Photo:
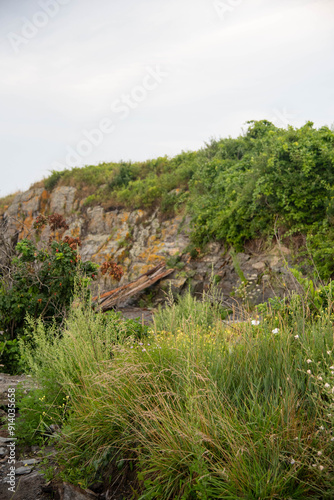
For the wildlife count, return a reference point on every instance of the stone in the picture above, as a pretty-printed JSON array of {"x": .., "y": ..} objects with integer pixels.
[
  {"x": 176, "y": 284},
  {"x": 30, "y": 461},
  {"x": 214, "y": 247},
  {"x": 62, "y": 200},
  {"x": 242, "y": 258},
  {"x": 69, "y": 492},
  {"x": 27, "y": 487},
  {"x": 259, "y": 266},
  {"x": 273, "y": 261},
  {"x": 3, "y": 452},
  {"x": 96, "y": 223},
  {"x": 23, "y": 470},
  {"x": 27, "y": 202}
]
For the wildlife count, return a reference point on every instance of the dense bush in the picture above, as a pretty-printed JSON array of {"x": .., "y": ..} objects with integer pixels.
[
  {"x": 53, "y": 179},
  {"x": 40, "y": 281},
  {"x": 270, "y": 179}
]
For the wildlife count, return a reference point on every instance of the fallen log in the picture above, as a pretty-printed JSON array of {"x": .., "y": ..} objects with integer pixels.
[{"x": 109, "y": 300}]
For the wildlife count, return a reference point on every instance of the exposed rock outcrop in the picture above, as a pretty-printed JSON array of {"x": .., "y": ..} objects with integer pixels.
[{"x": 139, "y": 240}]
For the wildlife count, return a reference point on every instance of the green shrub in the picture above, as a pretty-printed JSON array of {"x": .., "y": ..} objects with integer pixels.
[
  {"x": 270, "y": 177},
  {"x": 311, "y": 301},
  {"x": 121, "y": 176},
  {"x": 51, "y": 182},
  {"x": 39, "y": 282},
  {"x": 43, "y": 284},
  {"x": 320, "y": 246},
  {"x": 9, "y": 355}
]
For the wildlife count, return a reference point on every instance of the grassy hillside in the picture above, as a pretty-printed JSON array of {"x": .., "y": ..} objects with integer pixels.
[{"x": 268, "y": 181}]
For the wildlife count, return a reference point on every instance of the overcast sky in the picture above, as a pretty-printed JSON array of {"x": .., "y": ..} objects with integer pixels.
[{"x": 84, "y": 82}]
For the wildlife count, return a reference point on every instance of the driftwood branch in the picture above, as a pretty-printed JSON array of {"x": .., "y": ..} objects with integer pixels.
[{"x": 109, "y": 300}]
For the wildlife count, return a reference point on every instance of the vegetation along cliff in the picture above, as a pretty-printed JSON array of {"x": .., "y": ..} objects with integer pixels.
[
  {"x": 230, "y": 396},
  {"x": 221, "y": 209}
]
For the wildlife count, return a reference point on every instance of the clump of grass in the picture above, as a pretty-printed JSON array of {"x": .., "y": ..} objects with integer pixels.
[
  {"x": 206, "y": 312},
  {"x": 59, "y": 360},
  {"x": 202, "y": 409}
]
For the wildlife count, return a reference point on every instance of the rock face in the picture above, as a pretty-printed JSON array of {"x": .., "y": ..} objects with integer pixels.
[{"x": 139, "y": 240}]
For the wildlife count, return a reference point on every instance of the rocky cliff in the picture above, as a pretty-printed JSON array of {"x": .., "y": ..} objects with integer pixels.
[{"x": 139, "y": 240}]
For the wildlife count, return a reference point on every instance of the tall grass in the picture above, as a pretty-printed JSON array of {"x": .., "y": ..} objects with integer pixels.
[{"x": 202, "y": 409}]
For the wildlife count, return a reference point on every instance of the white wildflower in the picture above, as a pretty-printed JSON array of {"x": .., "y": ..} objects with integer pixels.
[
  {"x": 329, "y": 353},
  {"x": 275, "y": 330},
  {"x": 319, "y": 377},
  {"x": 292, "y": 461},
  {"x": 296, "y": 336},
  {"x": 321, "y": 428},
  {"x": 309, "y": 372},
  {"x": 327, "y": 385},
  {"x": 321, "y": 467},
  {"x": 255, "y": 322},
  {"x": 319, "y": 453},
  {"x": 144, "y": 349},
  {"x": 309, "y": 361},
  {"x": 331, "y": 367}
]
